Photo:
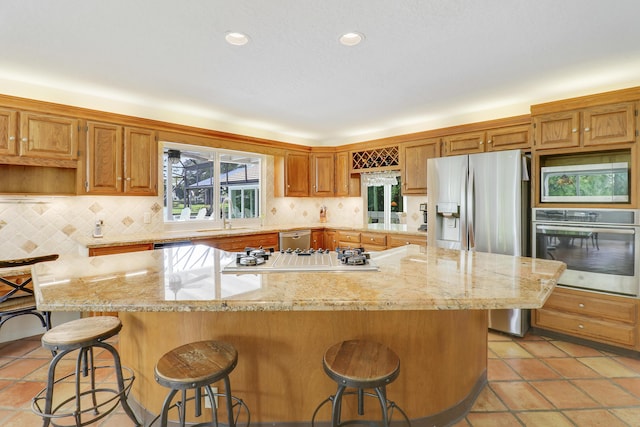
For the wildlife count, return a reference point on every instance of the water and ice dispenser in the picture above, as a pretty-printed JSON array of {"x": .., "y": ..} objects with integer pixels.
[{"x": 448, "y": 220}]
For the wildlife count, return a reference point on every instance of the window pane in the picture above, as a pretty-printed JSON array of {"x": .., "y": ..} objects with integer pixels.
[
  {"x": 239, "y": 174},
  {"x": 188, "y": 183}
]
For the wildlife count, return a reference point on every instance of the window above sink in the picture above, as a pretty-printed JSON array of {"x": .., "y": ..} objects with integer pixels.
[{"x": 210, "y": 188}]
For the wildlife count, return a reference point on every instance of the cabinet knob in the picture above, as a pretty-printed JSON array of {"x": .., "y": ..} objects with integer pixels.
[
  {"x": 581, "y": 326},
  {"x": 12, "y": 138},
  {"x": 581, "y": 305},
  {"x": 574, "y": 130},
  {"x": 489, "y": 141},
  {"x": 24, "y": 139},
  {"x": 119, "y": 178},
  {"x": 128, "y": 178},
  {"x": 587, "y": 129},
  {"x": 372, "y": 239},
  {"x": 481, "y": 142}
]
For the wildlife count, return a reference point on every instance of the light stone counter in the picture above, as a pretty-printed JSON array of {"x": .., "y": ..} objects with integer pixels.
[{"x": 190, "y": 278}]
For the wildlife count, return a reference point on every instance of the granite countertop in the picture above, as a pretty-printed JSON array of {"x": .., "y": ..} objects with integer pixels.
[
  {"x": 190, "y": 278},
  {"x": 205, "y": 233}
]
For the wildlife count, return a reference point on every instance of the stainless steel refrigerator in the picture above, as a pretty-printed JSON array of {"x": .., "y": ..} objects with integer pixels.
[{"x": 480, "y": 202}]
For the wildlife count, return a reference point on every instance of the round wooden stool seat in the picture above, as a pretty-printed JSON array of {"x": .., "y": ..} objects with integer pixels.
[
  {"x": 196, "y": 364},
  {"x": 362, "y": 364},
  {"x": 77, "y": 333}
]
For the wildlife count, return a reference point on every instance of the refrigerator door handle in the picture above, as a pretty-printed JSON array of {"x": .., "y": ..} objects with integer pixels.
[
  {"x": 464, "y": 242},
  {"x": 470, "y": 209}
]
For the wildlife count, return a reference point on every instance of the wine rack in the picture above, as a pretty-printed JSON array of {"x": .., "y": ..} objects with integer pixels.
[{"x": 385, "y": 158}]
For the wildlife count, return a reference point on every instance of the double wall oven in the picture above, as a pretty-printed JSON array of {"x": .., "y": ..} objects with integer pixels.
[{"x": 600, "y": 247}]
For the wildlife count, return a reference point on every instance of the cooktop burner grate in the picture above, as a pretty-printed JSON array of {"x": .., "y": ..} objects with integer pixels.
[{"x": 300, "y": 262}]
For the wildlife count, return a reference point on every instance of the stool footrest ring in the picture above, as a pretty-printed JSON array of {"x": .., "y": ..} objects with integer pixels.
[
  {"x": 98, "y": 410},
  {"x": 391, "y": 407},
  {"x": 237, "y": 404}
]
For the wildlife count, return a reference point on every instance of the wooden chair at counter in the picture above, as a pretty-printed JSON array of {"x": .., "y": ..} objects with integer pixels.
[{"x": 16, "y": 290}]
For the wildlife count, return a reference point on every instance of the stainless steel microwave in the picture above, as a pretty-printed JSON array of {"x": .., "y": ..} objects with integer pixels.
[{"x": 589, "y": 183}]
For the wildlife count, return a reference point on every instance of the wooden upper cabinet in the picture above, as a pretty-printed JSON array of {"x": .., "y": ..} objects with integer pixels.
[
  {"x": 121, "y": 160},
  {"x": 140, "y": 161},
  {"x": 609, "y": 124},
  {"x": 48, "y": 137},
  {"x": 464, "y": 143},
  {"x": 296, "y": 174},
  {"x": 508, "y": 138},
  {"x": 589, "y": 127},
  {"x": 104, "y": 158},
  {"x": 557, "y": 130},
  {"x": 413, "y": 158},
  {"x": 8, "y": 132},
  {"x": 346, "y": 184},
  {"x": 322, "y": 174}
]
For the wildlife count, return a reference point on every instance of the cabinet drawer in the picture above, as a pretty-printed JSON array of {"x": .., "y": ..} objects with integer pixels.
[
  {"x": 596, "y": 307},
  {"x": 349, "y": 236},
  {"x": 598, "y": 330},
  {"x": 368, "y": 239},
  {"x": 399, "y": 240}
]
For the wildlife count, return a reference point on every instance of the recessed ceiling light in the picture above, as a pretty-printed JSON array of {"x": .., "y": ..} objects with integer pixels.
[
  {"x": 236, "y": 39},
  {"x": 351, "y": 39}
]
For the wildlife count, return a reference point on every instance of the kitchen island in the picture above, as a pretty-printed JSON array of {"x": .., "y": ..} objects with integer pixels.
[{"x": 428, "y": 304}]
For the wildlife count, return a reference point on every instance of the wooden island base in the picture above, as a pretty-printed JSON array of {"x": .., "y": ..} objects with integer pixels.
[{"x": 443, "y": 357}]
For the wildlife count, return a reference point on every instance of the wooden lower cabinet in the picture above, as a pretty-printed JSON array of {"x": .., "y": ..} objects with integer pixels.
[
  {"x": 348, "y": 239},
  {"x": 317, "y": 239},
  {"x": 601, "y": 318},
  {"x": 373, "y": 241},
  {"x": 396, "y": 240},
  {"x": 109, "y": 250},
  {"x": 240, "y": 242}
]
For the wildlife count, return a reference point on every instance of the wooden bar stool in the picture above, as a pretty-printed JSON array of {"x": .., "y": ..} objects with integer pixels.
[
  {"x": 195, "y": 366},
  {"x": 361, "y": 365},
  {"x": 89, "y": 402}
]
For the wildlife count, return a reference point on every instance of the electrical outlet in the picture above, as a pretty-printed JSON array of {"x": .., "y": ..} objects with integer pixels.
[{"x": 207, "y": 403}]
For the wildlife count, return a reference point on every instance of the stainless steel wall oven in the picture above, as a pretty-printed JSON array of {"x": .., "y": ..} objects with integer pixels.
[{"x": 599, "y": 246}]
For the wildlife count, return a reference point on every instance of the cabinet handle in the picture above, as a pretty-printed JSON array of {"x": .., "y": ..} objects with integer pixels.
[
  {"x": 574, "y": 130},
  {"x": 581, "y": 305},
  {"x": 580, "y": 326},
  {"x": 587, "y": 129},
  {"x": 481, "y": 142},
  {"x": 489, "y": 141}
]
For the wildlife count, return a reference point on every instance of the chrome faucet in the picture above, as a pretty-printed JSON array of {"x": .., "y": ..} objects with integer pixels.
[{"x": 225, "y": 223}]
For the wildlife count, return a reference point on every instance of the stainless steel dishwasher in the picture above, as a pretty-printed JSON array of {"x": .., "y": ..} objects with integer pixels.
[{"x": 300, "y": 239}]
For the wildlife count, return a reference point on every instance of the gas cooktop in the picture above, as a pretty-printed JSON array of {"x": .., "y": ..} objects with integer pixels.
[{"x": 267, "y": 260}]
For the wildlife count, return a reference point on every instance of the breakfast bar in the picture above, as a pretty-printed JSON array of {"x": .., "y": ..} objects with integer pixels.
[{"x": 428, "y": 304}]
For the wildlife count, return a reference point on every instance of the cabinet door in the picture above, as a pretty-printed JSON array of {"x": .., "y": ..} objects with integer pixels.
[
  {"x": 414, "y": 157},
  {"x": 317, "y": 239},
  {"x": 343, "y": 173},
  {"x": 104, "y": 158},
  {"x": 140, "y": 162},
  {"x": 48, "y": 137},
  {"x": 557, "y": 130},
  {"x": 464, "y": 143},
  {"x": 609, "y": 124},
  {"x": 509, "y": 138},
  {"x": 8, "y": 146},
  {"x": 330, "y": 240},
  {"x": 296, "y": 175},
  {"x": 322, "y": 174}
]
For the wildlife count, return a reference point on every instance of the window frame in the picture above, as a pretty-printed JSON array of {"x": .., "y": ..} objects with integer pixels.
[{"x": 216, "y": 203}]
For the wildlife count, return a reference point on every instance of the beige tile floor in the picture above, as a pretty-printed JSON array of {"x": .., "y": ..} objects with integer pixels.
[{"x": 533, "y": 381}]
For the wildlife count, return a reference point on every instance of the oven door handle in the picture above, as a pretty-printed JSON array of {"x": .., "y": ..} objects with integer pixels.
[{"x": 586, "y": 230}]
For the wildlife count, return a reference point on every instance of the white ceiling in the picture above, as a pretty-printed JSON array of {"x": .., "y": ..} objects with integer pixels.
[{"x": 423, "y": 64}]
